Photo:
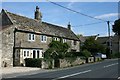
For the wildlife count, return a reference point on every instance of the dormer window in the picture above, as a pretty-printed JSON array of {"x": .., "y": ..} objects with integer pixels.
[{"x": 31, "y": 37}]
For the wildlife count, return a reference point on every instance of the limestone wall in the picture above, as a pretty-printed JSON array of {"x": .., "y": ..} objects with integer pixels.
[
  {"x": 7, "y": 46},
  {"x": 70, "y": 62}
]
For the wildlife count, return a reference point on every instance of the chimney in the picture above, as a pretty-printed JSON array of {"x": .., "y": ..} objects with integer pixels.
[
  {"x": 69, "y": 26},
  {"x": 38, "y": 15}
]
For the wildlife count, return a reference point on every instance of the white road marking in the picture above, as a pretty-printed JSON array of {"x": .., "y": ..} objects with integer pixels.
[
  {"x": 73, "y": 74},
  {"x": 110, "y": 65}
]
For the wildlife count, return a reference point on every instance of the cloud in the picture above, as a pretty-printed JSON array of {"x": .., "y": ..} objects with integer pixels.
[{"x": 107, "y": 15}]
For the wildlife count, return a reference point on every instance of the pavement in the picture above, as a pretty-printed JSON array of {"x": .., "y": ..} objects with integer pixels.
[{"x": 10, "y": 72}]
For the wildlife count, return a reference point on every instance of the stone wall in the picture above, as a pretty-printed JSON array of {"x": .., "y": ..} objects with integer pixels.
[
  {"x": 97, "y": 59},
  {"x": 22, "y": 41},
  {"x": 7, "y": 46},
  {"x": 47, "y": 64},
  {"x": 90, "y": 59},
  {"x": 70, "y": 62}
]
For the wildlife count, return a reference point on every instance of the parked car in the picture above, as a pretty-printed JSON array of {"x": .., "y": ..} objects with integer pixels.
[{"x": 103, "y": 56}]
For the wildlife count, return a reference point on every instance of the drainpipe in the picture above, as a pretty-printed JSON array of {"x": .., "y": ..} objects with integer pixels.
[{"x": 14, "y": 47}]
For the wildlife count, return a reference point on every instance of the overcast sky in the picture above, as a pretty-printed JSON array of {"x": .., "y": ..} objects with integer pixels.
[{"x": 60, "y": 16}]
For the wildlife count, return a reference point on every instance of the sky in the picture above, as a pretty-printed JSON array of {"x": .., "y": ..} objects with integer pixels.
[{"x": 54, "y": 14}]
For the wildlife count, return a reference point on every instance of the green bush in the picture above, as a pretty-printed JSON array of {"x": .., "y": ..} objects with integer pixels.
[
  {"x": 115, "y": 55},
  {"x": 56, "y": 50},
  {"x": 74, "y": 54},
  {"x": 31, "y": 62},
  {"x": 86, "y": 53}
]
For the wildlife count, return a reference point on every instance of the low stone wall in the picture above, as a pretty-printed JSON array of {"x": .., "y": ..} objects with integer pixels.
[
  {"x": 97, "y": 59},
  {"x": 70, "y": 62},
  {"x": 45, "y": 64},
  {"x": 90, "y": 60}
]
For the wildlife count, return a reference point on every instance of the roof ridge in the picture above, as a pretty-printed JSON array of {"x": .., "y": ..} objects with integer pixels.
[
  {"x": 33, "y": 19},
  {"x": 21, "y": 15},
  {"x": 54, "y": 25}
]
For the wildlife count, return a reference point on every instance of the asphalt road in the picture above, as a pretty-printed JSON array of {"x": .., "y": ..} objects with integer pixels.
[{"x": 105, "y": 69}]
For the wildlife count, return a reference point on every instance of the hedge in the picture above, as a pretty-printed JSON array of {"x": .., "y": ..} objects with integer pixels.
[{"x": 31, "y": 62}]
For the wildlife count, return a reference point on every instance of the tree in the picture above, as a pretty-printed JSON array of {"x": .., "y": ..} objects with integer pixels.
[
  {"x": 93, "y": 46},
  {"x": 56, "y": 50},
  {"x": 116, "y": 27},
  {"x": 86, "y": 53}
]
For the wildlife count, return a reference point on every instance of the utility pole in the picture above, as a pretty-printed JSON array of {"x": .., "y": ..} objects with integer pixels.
[{"x": 109, "y": 36}]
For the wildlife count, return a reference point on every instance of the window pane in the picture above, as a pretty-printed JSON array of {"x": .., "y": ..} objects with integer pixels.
[
  {"x": 29, "y": 36},
  {"x": 33, "y": 36},
  {"x": 44, "y": 38},
  {"x": 27, "y": 53},
  {"x": 75, "y": 42},
  {"x": 24, "y": 53},
  {"x": 37, "y": 53},
  {"x": 41, "y": 37}
]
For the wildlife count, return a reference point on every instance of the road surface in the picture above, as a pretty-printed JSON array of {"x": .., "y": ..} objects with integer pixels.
[{"x": 105, "y": 69}]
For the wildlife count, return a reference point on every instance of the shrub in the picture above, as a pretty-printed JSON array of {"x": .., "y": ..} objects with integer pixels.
[
  {"x": 31, "y": 62},
  {"x": 115, "y": 55},
  {"x": 74, "y": 54},
  {"x": 86, "y": 53},
  {"x": 56, "y": 50}
]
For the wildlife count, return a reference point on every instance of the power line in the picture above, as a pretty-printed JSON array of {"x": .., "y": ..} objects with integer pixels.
[
  {"x": 88, "y": 24},
  {"x": 76, "y": 11}
]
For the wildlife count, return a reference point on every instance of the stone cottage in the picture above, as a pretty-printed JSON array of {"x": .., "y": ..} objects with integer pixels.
[
  {"x": 23, "y": 37},
  {"x": 115, "y": 43}
]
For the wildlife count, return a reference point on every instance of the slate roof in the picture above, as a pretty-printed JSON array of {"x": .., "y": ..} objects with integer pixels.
[
  {"x": 26, "y": 23},
  {"x": 103, "y": 40}
]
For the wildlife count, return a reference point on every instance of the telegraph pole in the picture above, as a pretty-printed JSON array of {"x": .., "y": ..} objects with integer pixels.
[{"x": 109, "y": 36}]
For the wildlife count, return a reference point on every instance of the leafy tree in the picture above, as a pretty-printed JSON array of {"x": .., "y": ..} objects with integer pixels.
[
  {"x": 116, "y": 27},
  {"x": 56, "y": 50},
  {"x": 93, "y": 46}
]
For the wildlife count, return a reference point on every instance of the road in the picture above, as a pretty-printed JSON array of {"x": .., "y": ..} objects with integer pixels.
[{"x": 105, "y": 69}]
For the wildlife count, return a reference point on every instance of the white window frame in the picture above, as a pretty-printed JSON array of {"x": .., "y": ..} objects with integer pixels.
[
  {"x": 64, "y": 40},
  {"x": 31, "y": 37},
  {"x": 56, "y": 39},
  {"x": 36, "y": 54},
  {"x": 43, "y": 38},
  {"x": 26, "y": 53}
]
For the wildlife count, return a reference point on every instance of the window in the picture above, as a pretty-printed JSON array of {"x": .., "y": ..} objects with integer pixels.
[
  {"x": 64, "y": 40},
  {"x": 75, "y": 42},
  {"x": 43, "y": 38},
  {"x": 37, "y": 53},
  {"x": 26, "y": 54},
  {"x": 56, "y": 39},
  {"x": 31, "y": 37}
]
